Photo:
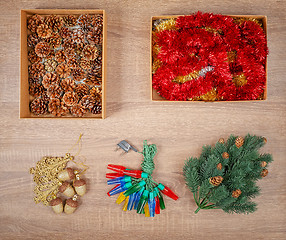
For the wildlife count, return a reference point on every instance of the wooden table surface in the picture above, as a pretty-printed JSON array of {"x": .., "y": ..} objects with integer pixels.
[{"x": 178, "y": 129}]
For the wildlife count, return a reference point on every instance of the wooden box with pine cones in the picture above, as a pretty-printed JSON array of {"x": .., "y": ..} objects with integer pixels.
[{"x": 63, "y": 55}]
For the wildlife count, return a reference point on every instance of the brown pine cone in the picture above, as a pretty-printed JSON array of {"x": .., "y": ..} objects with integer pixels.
[
  {"x": 72, "y": 62},
  {"x": 44, "y": 31},
  {"x": 50, "y": 65},
  {"x": 263, "y": 164},
  {"x": 36, "y": 89},
  {"x": 68, "y": 43},
  {"x": 36, "y": 70},
  {"x": 55, "y": 40},
  {"x": 33, "y": 57},
  {"x": 97, "y": 21},
  {"x": 69, "y": 52},
  {"x": 221, "y": 140},
  {"x": 77, "y": 36},
  {"x": 78, "y": 74},
  {"x": 78, "y": 47},
  {"x": 239, "y": 141},
  {"x": 63, "y": 70},
  {"x": 33, "y": 40},
  {"x": 98, "y": 61},
  {"x": 264, "y": 173},
  {"x": 84, "y": 21},
  {"x": 81, "y": 90},
  {"x": 90, "y": 52},
  {"x": 68, "y": 84},
  {"x": 42, "y": 49},
  {"x": 97, "y": 108},
  {"x": 225, "y": 155},
  {"x": 38, "y": 106},
  {"x": 236, "y": 193},
  {"x": 77, "y": 110},
  {"x": 51, "y": 56},
  {"x": 85, "y": 64},
  {"x": 34, "y": 21},
  {"x": 50, "y": 79},
  {"x": 54, "y": 22},
  {"x": 65, "y": 32},
  {"x": 60, "y": 56},
  {"x": 94, "y": 37},
  {"x": 70, "y": 98},
  {"x": 96, "y": 92},
  {"x": 92, "y": 80},
  {"x": 70, "y": 20},
  {"x": 219, "y": 166},
  {"x": 57, "y": 108},
  {"x": 55, "y": 91},
  {"x": 87, "y": 102},
  {"x": 216, "y": 181},
  {"x": 96, "y": 70}
]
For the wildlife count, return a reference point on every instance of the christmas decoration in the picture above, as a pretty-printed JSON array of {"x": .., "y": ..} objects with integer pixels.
[
  {"x": 227, "y": 183},
  {"x": 136, "y": 188},
  {"x": 209, "y": 57},
  {"x": 65, "y": 55},
  {"x": 54, "y": 178}
]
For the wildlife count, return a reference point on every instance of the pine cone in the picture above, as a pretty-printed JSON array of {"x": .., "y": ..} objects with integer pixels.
[
  {"x": 78, "y": 74},
  {"x": 236, "y": 193},
  {"x": 34, "y": 21},
  {"x": 239, "y": 141},
  {"x": 70, "y": 20},
  {"x": 60, "y": 56},
  {"x": 65, "y": 32},
  {"x": 264, "y": 173},
  {"x": 72, "y": 62},
  {"x": 96, "y": 92},
  {"x": 50, "y": 79},
  {"x": 44, "y": 31},
  {"x": 70, "y": 53},
  {"x": 55, "y": 40},
  {"x": 265, "y": 140},
  {"x": 68, "y": 43},
  {"x": 221, "y": 140},
  {"x": 84, "y": 64},
  {"x": 33, "y": 40},
  {"x": 225, "y": 155},
  {"x": 51, "y": 56},
  {"x": 36, "y": 89},
  {"x": 84, "y": 21},
  {"x": 98, "y": 61},
  {"x": 63, "y": 70},
  {"x": 263, "y": 164},
  {"x": 90, "y": 52},
  {"x": 94, "y": 37},
  {"x": 36, "y": 70},
  {"x": 216, "y": 181},
  {"x": 50, "y": 65},
  {"x": 68, "y": 84},
  {"x": 81, "y": 90},
  {"x": 38, "y": 106},
  {"x": 57, "y": 108},
  {"x": 55, "y": 91},
  {"x": 97, "y": 21},
  {"x": 77, "y": 110},
  {"x": 77, "y": 36},
  {"x": 96, "y": 70},
  {"x": 33, "y": 57},
  {"x": 96, "y": 108},
  {"x": 54, "y": 22},
  {"x": 70, "y": 98},
  {"x": 92, "y": 80},
  {"x": 219, "y": 166},
  {"x": 42, "y": 49},
  {"x": 87, "y": 102}
]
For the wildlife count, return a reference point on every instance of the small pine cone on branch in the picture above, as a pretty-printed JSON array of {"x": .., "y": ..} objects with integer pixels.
[
  {"x": 55, "y": 91},
  {"x": 236, "y": 193},
  {"x": 216, "y": 181},
  {"x": 70, "y": 20},
  {"x": 87, "y": 102},
  {"x": 90, "y": 52},
  {"x": 219, "y": 166},
  {"x": 54, "y": 22},
  {"x": 60, "y": 56},
  {"x": 78, "y": 74},
  {"x": 97, "y": 108},
  {"x": 33, "y": 57},
  {"x": 239, "y": 141},
  {"x": 221, "y": 141},
  {"x": 50, "y": 79},
  {"x": 57, "y": 108},
  {"x": 34, "y": 21},
  {"x": 81, "y": 90},
  {"x": 42, "y": 49},
  {"x": 36, "y": 70},
  {"x": 225, "y": 155},
  {"x": 44, "y": 31},
  {"x": 77, "y": 110},
  {"x": 32, "y": 40},
  {"x": 264, "y": 173},
  {"x": 36, "y": 89},
  {"x": 50, "y": 65},
  {"x": 55, "y": 40},
  {"x": 70, "y": 98},
  {"x": 68, "y": 84},
  {"x": 263, "y": 164},
  {"x": 39, "y": 106},
  {"x": 63, "y": 70},
  {"x": 77, "y": 36}
]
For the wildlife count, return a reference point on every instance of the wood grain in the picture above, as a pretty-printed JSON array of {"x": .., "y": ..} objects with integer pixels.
[{"x": 178, "y": 129}]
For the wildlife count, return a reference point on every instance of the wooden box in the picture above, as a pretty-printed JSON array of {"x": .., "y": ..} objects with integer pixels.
[
  {"x": 24, "y": 85},
  {"x": 156, "y": 97}
]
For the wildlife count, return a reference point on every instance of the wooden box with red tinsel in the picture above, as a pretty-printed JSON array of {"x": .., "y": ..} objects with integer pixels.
[
  {"x": 208, "y": 57},
  {"x": 62, "y": 63}
]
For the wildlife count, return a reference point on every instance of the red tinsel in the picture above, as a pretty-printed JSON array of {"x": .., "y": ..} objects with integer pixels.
[{"x": 203, "y": 41}]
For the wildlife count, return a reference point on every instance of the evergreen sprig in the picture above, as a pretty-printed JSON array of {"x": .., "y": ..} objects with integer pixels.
[{"x": 239, "y": 164}]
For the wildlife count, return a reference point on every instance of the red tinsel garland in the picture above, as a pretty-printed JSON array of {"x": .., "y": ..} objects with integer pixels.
[{"x": 203, "y": 41}]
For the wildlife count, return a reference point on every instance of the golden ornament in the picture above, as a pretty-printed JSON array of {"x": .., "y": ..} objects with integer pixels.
[
  {"x": 57, "y": 205},
  {"x": 70, "y": 206}
]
